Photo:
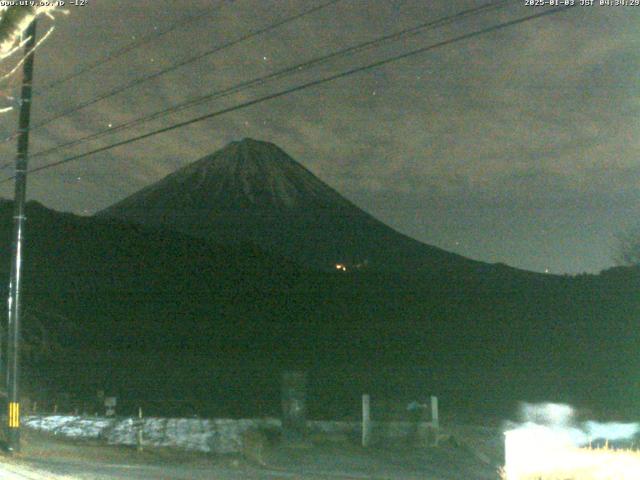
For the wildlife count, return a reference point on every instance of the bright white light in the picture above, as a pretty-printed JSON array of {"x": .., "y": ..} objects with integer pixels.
[
  {"x": 539, "y": 454},
  {"x": 534, "y": 449},
  {"x": 550, "y": 444},
  {"x": 556, "y": 414},
  {"x": 611, "y": 431}
]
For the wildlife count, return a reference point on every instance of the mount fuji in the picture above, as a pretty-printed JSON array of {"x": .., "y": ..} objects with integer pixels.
[{"x": 253, "y": 192}]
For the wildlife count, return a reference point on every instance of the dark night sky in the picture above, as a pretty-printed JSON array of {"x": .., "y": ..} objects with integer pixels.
[{"x": 520, "y": 146}]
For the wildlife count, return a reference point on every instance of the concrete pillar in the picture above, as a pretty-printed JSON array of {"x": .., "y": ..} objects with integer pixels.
[
  {"x": 366, "y": 420},
  {"x": 294, "y": 406}
]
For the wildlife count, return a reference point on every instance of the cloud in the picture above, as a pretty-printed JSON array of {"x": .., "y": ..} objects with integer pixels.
[{"x": 544, "y": 114}]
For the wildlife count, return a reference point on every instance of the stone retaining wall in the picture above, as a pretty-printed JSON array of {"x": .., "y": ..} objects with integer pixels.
[{"x": 204, "y": 435}]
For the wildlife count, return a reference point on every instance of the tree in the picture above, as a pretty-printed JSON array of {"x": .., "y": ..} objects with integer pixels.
[{"x": 628, "y": 248}]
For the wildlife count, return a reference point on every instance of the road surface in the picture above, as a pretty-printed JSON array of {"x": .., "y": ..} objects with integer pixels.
[
  {"x": 59, "y": 470},
  {"x": 53, "y": 458}
]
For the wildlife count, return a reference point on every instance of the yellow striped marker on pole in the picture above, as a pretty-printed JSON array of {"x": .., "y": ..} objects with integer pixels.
[{"x": 14, "y": 415}]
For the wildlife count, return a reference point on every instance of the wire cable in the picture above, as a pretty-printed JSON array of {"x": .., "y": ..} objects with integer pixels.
[
  {"x": 298, "y": 68},
  {"x": 303, "y": 86},
  {"x": 129, "y": 47},
  {"x": 176, "y": 66}
]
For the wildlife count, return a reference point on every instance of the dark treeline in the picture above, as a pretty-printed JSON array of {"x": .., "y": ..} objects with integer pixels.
[{"x": 184, "y": 326}]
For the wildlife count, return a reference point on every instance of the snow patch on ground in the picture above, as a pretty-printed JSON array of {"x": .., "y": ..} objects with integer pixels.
[
  {"x": 203, "y": 435},
  {"x": 69, "y": 426},
  {"x": 220, "y": 435}
]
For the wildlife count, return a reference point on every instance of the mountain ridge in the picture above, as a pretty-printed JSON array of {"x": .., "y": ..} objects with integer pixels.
[{"x": 253, "y": 191}]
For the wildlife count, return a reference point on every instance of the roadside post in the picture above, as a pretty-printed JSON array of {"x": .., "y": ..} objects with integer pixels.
[
  {"x": 139, "y": 430},
  {"x": 366, "y": 420},
  {"x": 435, "y": 421},
  {"x": 294, "y": 407}
]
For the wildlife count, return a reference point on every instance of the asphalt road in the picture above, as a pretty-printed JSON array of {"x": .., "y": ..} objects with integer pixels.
[
  {"x": 53, "y": 458},
  {"x": 17, "y": 472},
  {"x": 66, "y": 470}
]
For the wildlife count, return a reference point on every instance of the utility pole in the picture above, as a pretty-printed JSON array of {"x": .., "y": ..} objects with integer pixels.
[{"x": 13, "y": 334}]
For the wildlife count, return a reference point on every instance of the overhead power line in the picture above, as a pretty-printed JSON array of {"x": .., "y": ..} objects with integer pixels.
[
  {"x": 295, "y": 69},
  {"x": 130, "y": 47},
  {"x": 303, "y": 86},
  {"x": 175, "y": 66}
]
